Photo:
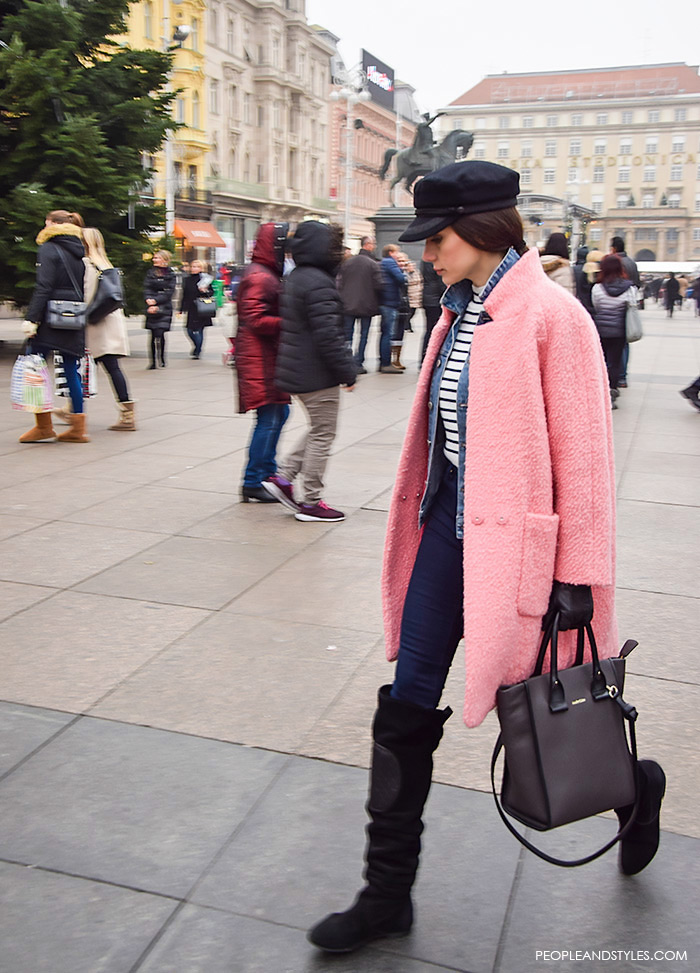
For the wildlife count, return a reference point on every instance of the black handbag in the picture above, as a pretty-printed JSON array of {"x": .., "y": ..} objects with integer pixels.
[
  {"x": 206, "y": 307},
  {"x": 67, "y": 315},
  {"x": 566, "y": 750},
  {"x": 109, "y": 295}
]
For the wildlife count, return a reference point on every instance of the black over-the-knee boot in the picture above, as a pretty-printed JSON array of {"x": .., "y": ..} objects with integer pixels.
[{"x": 405, "y": 738}]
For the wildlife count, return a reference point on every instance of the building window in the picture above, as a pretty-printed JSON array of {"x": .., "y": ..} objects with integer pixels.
[
  {"x": 457, "y": 123},
  {"x": 192, "y": 181},
  {"x": 230, "y": 34},
  {"x": 246, "y": 168},
  {"x": 214, "y": 25},
  {"x": 572, "y": 174},
  {"x": 552, "y": 121},
  {"x": 277, "y": 116},
  {"x": 525, "y": 150},
  {"x": 232, "y": 102},
  {"x": 575, "y": 147},
  {"x": 697, "y": 204},
  {"x": 479, "y": 151},
  {"x": 527, "y": 121},
  {"x": 597, "y": 204},
  {"x": 246, "y": 109},
  {"x": 696, "y": 235},
  {"x": 625, "y": 146},
  {"x": 674, "y": 200},
  {"x": 503, "y": 150},
  {"x": 697, "y": 174},
  {"x": 275, "y": 52},
  {"x": 651, "y": 146},
  {"x": 194, "y": 35},
  {"x": 148, "y": 20},
  {"x": 195, "y": 110},
  {"x": 261, "y": 174},
  {"x": 213, "y": 98},
  {"x": 549, "y": 175},
  {"x": 480, "y": 123},
  {"x": 679, "y": 115},
  {"x": 292, "y": 176},
  {"x": 598, "y": 173},
  {"x": 601, "y": 118},
  {"x": 525, "y": 176},
  {"x": 654, "y": 117},
  {"x": 627, "y": 117},
  {"x": 180, "y": 110},
  {"x": 595, "y": 233},
  {"x": 678, "y": 143},
  {"x": 676, "y": 173},
  {"x": 550, "y": 148},
  {"x": 261, "y": 116},
  {"x": 503, "y": 121},
  {"x": 600, "y": 147},
  {"x": 577, "y": 119},
  {"x": 649, "y": 174},
  {"x": 648, "y": 200},
  {"x": 622, "y": 200},
  {"x": 623, "y": 174},
  {"x": 672, "y": 235},
  {"x": 232, "y": 171}
]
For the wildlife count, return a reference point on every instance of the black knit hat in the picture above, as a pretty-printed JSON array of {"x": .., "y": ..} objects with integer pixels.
[{"x": 457, "y": 190}]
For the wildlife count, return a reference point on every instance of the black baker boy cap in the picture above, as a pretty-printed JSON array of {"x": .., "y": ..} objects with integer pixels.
[{"x": 458, "y": 190}]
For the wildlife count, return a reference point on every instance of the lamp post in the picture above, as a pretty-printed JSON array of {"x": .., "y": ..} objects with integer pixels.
[
  {"x": 179, "y": 36},
  {"x": 352, "y": 89}
]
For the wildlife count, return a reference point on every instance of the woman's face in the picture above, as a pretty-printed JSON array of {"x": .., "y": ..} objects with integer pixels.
[
  {"x": 196, "y": 267},
  {"x": 158, "y": 261},
  {"x": 454, "y": 259}
]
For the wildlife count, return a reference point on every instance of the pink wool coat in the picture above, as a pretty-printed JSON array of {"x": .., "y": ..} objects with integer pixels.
[{"x": 539, "y": 497}]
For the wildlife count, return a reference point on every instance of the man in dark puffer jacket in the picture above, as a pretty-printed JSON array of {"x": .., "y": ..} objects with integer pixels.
[{"x": 313, "y": 361}]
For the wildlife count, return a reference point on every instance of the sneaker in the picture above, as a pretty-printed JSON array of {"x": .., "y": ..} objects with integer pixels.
[
  {"x": 391, "y": 370},
  {"x": 319, "y": 512},
  {"x": 281, "y": 490},
  {"x": 622, "y": 384},
  {"x": 361, "y": 370},
  {"x": 692, "y": 394}
]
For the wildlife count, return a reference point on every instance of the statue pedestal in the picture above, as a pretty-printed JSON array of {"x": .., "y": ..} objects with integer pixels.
[{"x": 390, "y": 222}]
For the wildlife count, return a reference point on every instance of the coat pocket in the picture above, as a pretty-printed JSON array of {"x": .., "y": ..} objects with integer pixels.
[{"x": 537, "y": 565}]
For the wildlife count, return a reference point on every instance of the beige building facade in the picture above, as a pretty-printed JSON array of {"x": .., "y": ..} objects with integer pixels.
[{"x": 600, "y": 152}]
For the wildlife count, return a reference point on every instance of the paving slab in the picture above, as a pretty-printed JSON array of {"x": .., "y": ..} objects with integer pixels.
[
  {"x": 23, "y": 729},
  {"x": 61, "y": 924},
  {"x": 129, "y": 805},
  {"x": 15, "y": 598}
]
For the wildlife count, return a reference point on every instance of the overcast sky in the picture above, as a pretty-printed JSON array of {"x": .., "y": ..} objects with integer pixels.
[{"x": 444, "y": 47}]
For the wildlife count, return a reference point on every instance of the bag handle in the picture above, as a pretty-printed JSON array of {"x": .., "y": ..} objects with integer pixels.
[
  {"x": 70, "y": 273},
  {"x": 557, "y": 700}
]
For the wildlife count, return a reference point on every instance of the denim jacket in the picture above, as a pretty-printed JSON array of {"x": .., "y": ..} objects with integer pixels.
[{"x": 456, "y": 299}]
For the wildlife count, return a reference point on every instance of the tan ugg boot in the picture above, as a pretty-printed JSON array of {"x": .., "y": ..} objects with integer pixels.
[
  {"x": 126, "y": 421},
  {"x": 396, "y": 358},
  {"x": 76, "y": 433},
  {"x": 64, "y": 414},
  {"x": 42, "y": 432}
]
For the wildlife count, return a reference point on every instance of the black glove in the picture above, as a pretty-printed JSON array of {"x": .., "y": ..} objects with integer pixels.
[{"x": 574, "y": 602}]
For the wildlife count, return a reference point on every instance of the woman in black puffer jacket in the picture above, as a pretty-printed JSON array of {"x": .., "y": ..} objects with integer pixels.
[
  {"x": 313, "y": 361},
  {"x": 610, "y": 297},
  {"x": 158, "y": 290}
]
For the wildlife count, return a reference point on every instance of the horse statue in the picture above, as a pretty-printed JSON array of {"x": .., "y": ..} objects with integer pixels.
[{"x": 410, "y": 164}]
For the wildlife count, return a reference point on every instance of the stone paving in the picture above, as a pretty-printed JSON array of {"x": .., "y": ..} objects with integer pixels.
[{"x": 186, "y": 686}]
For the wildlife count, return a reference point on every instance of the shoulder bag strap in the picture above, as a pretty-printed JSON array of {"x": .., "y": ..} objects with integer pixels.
[{"x": 70, "y": 273}]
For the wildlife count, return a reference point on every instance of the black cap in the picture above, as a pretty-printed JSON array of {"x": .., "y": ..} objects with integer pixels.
[{"x": 457, "y": 190}]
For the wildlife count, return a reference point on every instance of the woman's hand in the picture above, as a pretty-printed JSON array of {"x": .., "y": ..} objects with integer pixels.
[
  {"x": 150, "y": 301},
  {"x": 29, "y": 328},
  {"x": 573, "y": 602},
  {"x": 153, "y": 309}
]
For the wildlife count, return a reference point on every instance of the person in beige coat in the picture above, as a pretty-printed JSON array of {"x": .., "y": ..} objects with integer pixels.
[
  {"x": 556, "y": 263},
  {"x": 106, "y": 339}
]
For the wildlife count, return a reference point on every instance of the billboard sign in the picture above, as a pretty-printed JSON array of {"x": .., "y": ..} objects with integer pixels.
[{"x": 380, "y": 78}]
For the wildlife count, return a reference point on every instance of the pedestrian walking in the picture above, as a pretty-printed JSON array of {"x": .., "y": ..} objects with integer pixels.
[
  {"x": 360, "y": 288},
  {"x": 107, "y": 338},
  {"x": 610, "y": 297},
  {"x": 617, "y": 246},
  {"x": 158, "y": 290},
  {"x": 671, "y": 291},
  {"x": 60, "y": 276},
  {"x": 490, "y": 528},
  {"x": 692, "y": 393},
  {"x": 196, "y": 285},
  {"x": 313, "y": 361},
  {"x": 433, "y": 289},
  {"x": 257, "y": 341},
  {"x": 393, "y": 291},
  {"x": 556, "y": 263},
  {"x": 582, "y": 285}
]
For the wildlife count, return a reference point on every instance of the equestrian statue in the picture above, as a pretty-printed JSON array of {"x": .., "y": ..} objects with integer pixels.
[{"x": 424, "y": 155}]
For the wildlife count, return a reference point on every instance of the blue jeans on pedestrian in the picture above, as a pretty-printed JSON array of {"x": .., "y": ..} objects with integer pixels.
[
  {"x": 365, "y": 322},
  {"x": 433, "y": 614},
  {"x": 70, "y": 370},
  {"x": 263, "y": 443},
  {"x": 197, "y": 339},
  {"x": 389, "y": 317}
]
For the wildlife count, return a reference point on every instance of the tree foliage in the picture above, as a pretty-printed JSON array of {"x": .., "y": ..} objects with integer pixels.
[{"x": 78, "y": 109}]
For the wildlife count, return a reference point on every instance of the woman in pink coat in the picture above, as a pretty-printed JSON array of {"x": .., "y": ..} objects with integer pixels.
[{"x": 503, "y": 514}]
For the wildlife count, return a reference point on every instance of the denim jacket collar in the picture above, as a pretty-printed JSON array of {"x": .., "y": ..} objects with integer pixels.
[{"x": 457, "y": 297}]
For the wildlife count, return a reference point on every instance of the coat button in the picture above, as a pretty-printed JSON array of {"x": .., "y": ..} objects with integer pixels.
[
  {"x": 430, "y": 406},
  {"x": 477, "y": 520},
  {"x": 403, "y": 498},
  {"x": 502, "y": 520}
]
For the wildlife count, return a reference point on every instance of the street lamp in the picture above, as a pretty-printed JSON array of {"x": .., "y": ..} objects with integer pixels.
[
  {"x": 352, "y": 90},
  {"x": 179, "y": 36}
]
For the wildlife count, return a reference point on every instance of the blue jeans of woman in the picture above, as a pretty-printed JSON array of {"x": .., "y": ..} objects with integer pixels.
[
  {"x": 263, "y": 443},
  {"x": 70, "y": 370},
  {"x": 433, "y": 615},
  {"x": 388, "y": 322},
  {"x": 365, "y": 322},
  {"x": 196, "y": 336}
]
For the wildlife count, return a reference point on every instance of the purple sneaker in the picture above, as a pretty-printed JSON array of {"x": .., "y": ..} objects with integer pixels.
[
  {"x": 281, "y": 490},
  {"x": 319, "y": 512}
]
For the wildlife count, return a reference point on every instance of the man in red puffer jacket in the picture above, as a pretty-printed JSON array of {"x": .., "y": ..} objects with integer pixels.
[{"x": 259, "y": 323}]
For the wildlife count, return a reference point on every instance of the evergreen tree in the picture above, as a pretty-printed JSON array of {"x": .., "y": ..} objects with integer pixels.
[{"x": 77, "y": 111}]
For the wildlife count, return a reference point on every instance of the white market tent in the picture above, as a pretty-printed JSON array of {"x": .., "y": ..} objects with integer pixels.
[{"x": 688, "y": 267}]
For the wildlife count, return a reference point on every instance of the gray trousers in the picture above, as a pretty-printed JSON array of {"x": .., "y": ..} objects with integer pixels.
[{"x": 310, "y": 457}]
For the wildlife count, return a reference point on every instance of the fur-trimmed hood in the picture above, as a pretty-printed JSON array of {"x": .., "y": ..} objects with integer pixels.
[
  {"x": 550, "y": 262},
  {"x": 59, "y": 229}
]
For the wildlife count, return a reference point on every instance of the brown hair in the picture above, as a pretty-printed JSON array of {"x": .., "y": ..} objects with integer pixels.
[
  {"x": 495, "y": 232},
  {"x": 63, "y": 216},
  {"x": 388, "y": 249},
  {"x": 611, "y": 268}
]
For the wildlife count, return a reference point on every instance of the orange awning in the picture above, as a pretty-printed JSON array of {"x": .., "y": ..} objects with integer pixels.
[{"x": 198, "y": 234}]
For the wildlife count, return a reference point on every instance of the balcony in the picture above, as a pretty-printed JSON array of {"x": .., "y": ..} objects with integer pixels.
[{"x": 231, "y": 187}]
